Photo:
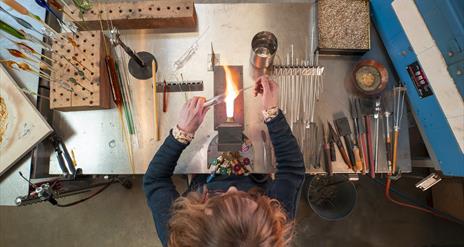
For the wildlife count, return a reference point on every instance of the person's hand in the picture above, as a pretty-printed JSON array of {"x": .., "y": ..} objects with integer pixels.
[
  {"x": 192, "y": 115},
  {"x": 270, "y": 91}
]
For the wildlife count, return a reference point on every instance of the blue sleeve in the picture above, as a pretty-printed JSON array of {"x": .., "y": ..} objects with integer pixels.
[
  {"x": 290, "y": 173},
  {"x": 158, "y": 187}
]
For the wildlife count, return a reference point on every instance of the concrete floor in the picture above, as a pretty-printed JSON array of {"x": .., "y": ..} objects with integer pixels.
[{"x": 120, "y": 217}]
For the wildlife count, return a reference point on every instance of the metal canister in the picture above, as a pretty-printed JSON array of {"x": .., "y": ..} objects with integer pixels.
[{"x": 263, "y": 49}]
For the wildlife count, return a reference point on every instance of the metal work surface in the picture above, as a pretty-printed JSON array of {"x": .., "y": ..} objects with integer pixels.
[{"x": 96, "y": 138}]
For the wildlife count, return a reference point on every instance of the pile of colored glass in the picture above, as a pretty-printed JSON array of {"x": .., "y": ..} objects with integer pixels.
[{"x": 230, "y": 163}]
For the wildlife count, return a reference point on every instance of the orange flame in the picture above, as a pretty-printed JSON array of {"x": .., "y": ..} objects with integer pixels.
[{"x": 231, "y": 92}]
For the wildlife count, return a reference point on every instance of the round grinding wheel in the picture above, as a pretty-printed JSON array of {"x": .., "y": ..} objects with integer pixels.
[
  {"x": 139, "y": 72},
  {"x": 370, "y": 77}
]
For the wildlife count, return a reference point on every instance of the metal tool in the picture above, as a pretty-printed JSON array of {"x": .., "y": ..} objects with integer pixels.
[
  {"x": 336, "y": 139},
  {"x": 377, "y": 113},
  {"x": 333, "y": 155},
  {"x": 165, "y": 97},
  {"x": 398, "y": 108},
  {"x": 369, "y": 146},
  {"x": 429, "y": 181},
  {"x": 63, "y": 156},
  {"x": 361, "y": 136},
  {"x": 357, "y": 146},
  {"x": 213, "y": 59},
  {"x": 301, "y": 83},
  {"x": 344, "y": 130},
  {"x": 318, "y": 147},
  {"x": 140, "y": 62},
  {"x": 387, "y": 115},
  {"x": 326, "y": 150}
]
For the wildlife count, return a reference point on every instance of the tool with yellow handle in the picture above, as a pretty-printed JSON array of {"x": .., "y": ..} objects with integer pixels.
[
  {"x": 358, "y": 161},
  {"x": 398, "y": 107}
]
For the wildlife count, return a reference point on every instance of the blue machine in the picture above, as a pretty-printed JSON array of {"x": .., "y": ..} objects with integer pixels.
[{"x": 425, "y": 41}]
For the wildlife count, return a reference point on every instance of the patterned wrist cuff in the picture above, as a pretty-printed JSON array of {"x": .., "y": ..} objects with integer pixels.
[
  {"x": 182, "y": 136},
  {"x": 270, "y": 113}
]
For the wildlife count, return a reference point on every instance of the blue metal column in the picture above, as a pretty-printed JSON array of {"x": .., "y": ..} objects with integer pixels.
[{"x": 435, "y": 130}]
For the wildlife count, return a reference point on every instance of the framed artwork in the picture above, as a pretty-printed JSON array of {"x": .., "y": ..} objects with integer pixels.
[{"x": 21, "y": 124}]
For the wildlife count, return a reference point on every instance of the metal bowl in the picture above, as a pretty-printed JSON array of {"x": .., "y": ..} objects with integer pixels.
[{"x": 370, "y": 77}]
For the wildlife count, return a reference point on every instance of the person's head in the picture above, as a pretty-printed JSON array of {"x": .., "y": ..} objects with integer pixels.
[{"x": 234, "y": 218}]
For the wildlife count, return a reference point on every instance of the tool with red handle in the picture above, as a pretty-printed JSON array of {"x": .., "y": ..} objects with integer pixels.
[{"x": 165, "y": 97}]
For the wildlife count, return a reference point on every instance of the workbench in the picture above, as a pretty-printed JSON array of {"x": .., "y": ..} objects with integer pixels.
[{"x": 95, "y": 136}]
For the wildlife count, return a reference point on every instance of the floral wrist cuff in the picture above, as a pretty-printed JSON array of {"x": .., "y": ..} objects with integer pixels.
[
  {"x": 182, "y": 136},
  {"x": 270, "y": 113}
]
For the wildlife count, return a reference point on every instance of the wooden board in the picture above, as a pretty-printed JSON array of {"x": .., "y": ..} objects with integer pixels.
[
  {"x": 21, "y": 125},
  {"x": 93, "y": 92},
  {"x": 139, "y": 15},
  {"x": 220, "y": 87}
]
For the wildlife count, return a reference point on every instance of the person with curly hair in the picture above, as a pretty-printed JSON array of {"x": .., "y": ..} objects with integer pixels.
[{"x": 229, "y": 210}]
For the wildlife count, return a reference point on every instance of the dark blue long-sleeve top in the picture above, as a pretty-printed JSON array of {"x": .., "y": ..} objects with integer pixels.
[{"x": 286, "y": 187}]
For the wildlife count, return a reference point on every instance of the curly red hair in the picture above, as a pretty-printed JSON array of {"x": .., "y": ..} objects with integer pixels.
[{"x": 229, "y": 220}]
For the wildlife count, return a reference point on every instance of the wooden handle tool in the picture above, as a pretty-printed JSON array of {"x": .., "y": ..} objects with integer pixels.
[{"x": 357, "y": 157}]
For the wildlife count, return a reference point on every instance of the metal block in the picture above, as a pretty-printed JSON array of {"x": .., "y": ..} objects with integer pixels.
[
  {"x": 230, "y": 137},
  {"x": 180, "y": 86}
]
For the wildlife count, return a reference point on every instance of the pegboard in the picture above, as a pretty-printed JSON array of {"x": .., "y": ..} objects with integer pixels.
[
  {"x": 93, "y": 90},
  {"x": 139, "y": 15}
]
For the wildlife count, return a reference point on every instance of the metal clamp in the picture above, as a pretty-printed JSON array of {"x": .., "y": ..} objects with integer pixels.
[{"x": 428, "y": 182}]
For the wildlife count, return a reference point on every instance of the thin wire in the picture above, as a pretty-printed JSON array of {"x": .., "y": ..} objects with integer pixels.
[
  {"x": 29, "y": 181},
  {"x": 85, "y": 199}
]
